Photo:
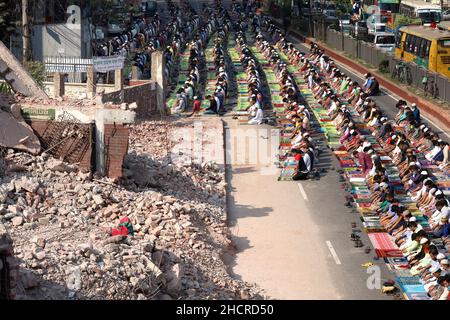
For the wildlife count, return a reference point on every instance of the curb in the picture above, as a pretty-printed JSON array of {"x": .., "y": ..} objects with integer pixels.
[{"x": 429, "y": 109}]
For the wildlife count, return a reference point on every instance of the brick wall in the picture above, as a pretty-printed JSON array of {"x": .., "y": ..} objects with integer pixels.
[
  {"x": 143, "y": 94},
  {"x": 116, "y": 148},
  {"x": 40, "y": 128}
]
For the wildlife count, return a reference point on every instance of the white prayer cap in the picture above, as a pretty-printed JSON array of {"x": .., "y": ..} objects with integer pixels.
[
  {"x": 195, "y": 97},
  {"x": 424, "y": 173},
  {"x": 433, "y": 190},
  {"x": 352, "y": 131},
  {"x": 412, "y": 164},
  {"x": 426, "y": 130},
  {"x": 306, "y": 134},
  {"x": 374, "y": 156},
  {"x": 394, "y": 136},
  {"x": 383, "y": 119},
  {"x": 370, "y": 151},
  {"x": 434, "y": 269},
  {"x": 423, "y": 240},
  {"x": 383, "y": 184},
  {"x": 414, "y": 105},
  {"x": 427, "y": 179},
  {"x": 439, "y": 192},
  {"x": 444, "y": 261},
  {"x": 412, "y": 219},
  {"x": 440, "y": 256},
  {"x": 422, "y": 126}
]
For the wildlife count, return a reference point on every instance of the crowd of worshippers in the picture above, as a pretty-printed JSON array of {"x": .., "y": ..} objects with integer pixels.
[
  {"x": 174, "y": 35},
  {"x": 405, "y": 140},
  {"x": 250, "y": 66},
  {"x": 217, "y": 100},
  {"x": 303, "y": 146},
  {"x": 139, "y": 34},
  {"x": 186, "y": 93}
]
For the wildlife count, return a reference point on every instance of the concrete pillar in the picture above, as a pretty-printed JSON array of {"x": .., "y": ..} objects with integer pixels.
[
  {"x": 119, "y": 83},
  {"x": 135, "y": 73},
  {"x": 118, "y": 79},
  {"x": 158, "y": 76},
  {"x": 91, "y": 85},
  {"x": 58, "y": 84},
  {"x": 104, "y": 117}
]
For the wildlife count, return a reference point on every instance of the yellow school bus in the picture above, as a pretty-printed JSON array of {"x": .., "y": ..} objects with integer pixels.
[{"x": 428, "y": 47}]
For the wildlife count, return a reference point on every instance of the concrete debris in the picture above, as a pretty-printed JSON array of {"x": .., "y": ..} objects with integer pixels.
[
  {"x": 60, "y": 166},
  {"x": 17, "y": 133},
  {"x": 61, "y": 223}
]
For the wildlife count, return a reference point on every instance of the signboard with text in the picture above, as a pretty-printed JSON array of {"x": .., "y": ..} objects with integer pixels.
[{"x": 106, "y": 64}]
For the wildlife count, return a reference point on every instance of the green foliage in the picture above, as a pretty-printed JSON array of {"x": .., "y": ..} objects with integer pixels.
[
  {"x": 7, "y": 20},
  {"x": 37, "y": 70},
  {"x": 5, "y": 88},
  {"x": 343, "y": 6},
  {"x": 384, "y": 66},
  {"x": 401, "y": 20}
]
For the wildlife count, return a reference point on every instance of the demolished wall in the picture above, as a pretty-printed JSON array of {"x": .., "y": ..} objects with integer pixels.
[{"x": 12, "y": 71}]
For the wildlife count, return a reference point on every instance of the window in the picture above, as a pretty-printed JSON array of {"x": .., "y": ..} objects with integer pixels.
[
  {"x": 408, "y": 43},
  {"x": 420, "y": 43},
  {"x": 398, "y": 40},
  {"x": 416, "y": 45},
  {"x": 444, "y": 43},
  {"x": 427, "y": 48},
  {"x": 385, "y": 39}
]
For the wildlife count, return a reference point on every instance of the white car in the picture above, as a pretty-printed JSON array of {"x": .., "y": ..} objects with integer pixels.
[
  {"x": 446, "y": 15},
  {"x": 383, "y": 40},
  {"x": 376, "y": 27}
]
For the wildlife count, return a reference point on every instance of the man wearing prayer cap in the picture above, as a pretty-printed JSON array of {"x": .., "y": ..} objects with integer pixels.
[{"x": 442, "y": 230}]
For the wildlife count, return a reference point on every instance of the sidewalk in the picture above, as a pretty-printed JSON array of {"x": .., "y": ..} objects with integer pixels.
[{"x": 429, "y": 109}]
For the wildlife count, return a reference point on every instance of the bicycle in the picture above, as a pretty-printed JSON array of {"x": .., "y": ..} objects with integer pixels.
[
  {"x": 403, "y": 73},
  {"x": 430, "y": 87}
]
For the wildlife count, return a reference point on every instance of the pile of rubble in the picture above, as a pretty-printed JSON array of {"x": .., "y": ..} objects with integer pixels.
[{"x": 61, "y": 219}]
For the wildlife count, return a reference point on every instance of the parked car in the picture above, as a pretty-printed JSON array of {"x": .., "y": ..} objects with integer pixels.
[
  {"x": 344, "y": 23},
  {"x": 330, "y": 10},
  {"x": 376, "y": 28},
  {"x": 446, "y": 15},
  {"x": 359, "y": 30},
  {"x": 382, "y": 40}
]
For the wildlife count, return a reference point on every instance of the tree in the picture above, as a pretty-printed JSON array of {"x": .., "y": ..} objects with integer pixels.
[
  {"x": 8, "y": 20},
  {"x": 26, "y": 33}
]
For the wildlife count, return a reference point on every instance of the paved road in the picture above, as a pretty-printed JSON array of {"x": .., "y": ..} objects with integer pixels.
[{"x": 293, "y": 238}]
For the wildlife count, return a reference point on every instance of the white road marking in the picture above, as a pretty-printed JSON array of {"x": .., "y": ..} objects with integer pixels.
[
  {"x": 302, "y": 191},
  {"x": 333, "y": 252}
]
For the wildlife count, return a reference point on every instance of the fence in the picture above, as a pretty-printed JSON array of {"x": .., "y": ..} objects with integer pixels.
[
  {"x": 371, "y": 55},
  {"x": 74, "y": 67}
]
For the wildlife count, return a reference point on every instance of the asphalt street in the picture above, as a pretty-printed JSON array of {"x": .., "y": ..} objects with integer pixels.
[{"x": 293, "y": 239}]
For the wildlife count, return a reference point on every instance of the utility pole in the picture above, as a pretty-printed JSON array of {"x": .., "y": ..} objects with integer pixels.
[{"x": 26, "y": 37}]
